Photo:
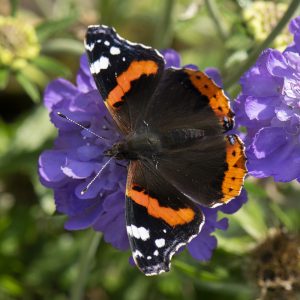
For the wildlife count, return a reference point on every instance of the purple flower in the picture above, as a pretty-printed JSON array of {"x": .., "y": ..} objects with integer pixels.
[
  {"x": 77, "y": 156},
  {"x": 269, "y": 108}
]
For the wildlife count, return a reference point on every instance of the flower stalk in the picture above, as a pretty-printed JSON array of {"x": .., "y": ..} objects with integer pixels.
[{"x": 88, "y": 253}]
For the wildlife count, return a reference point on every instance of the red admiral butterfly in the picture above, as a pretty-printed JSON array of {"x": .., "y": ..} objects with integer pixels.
[{"x": 173, "y": 122}]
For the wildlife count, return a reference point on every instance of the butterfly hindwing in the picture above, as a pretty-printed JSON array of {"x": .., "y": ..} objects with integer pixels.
[
  {"x": 125, "y": 73},
  {"x": 191, "y": 120},
  {"x": 159, "y": 219}
]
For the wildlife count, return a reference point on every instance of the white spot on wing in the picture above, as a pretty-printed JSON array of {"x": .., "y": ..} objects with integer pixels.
[
  {"x": 160, "y": 242},
  {"x": 156, "y": 253},
  {"x": 123, "y": 58},
  {"x": 106, "y": 43},
  {"x": 138, "y": 232},
  {"x": 137, "y": 253},
  {"x": 149, "y": 257},
  {"x": 89, "y": 47},
  {"x": 93, "y": 26},
  {"x": 129, "y": 230},
  {"x": 101, "y": 64},
  {"x": 115, "y": 50}
]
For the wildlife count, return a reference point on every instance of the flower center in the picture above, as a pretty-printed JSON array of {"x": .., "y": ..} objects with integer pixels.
[
  {"x": 11, "y": 38},
  {"x": 18, "y": 42}
]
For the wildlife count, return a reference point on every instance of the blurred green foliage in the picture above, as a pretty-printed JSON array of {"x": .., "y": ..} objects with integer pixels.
[{"x": 38, "y": 258}]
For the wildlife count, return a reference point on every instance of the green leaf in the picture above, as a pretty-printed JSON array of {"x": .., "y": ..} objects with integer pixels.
[
  {"x": 212, "y": 282},
  {"x": 4, "y": 76},
  {"x": 51, "y": 65},
  {"x": 10, "y": 285},
  {"x": 29, "y": 87},
  {"x": 255, "y": 189},
  {"x": 52, "y": 27},
  {"x": 239, "y": 42},
  {"x": 35, "y": 75},
  {"x": 21, "y": 148},
  {"x": 63, "y": 45},
  {"x": 5, "y": 136},
  {"x": 289, "y": 218},
  {"x": 251, "y": 218},
  {"x": 237, "y": 245},
  {"x": 37, "y": 122}
]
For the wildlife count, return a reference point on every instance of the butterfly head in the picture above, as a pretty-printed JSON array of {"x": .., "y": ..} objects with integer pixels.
[{"x": 121, "y": 151}]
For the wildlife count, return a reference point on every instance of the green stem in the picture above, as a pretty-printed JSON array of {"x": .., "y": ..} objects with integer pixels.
[
  {"x": 14, "y": 7},
  {"x": 256, "y": 52},
  {"x": 164, "y": 30},
  {"x": 88, "y": 254},
  {"x": 216, "y": 18}
]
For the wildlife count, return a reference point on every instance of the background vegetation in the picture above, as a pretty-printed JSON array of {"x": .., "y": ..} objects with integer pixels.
[{"x": 38, "y": 258}]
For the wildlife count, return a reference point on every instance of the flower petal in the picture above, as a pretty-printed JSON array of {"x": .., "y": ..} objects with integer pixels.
[
  {"x": 85, "y": 219},
  {"x": 260, "y": 108},
  {"x": 283, "y": 164},
  {"x": 214, "y": 73},
  {"x": 84, "y": 79},
  {"x": 277, "y": 64},
  {"x": 77, "y": 169},
  {"x": 57, "y": 91},
  {"x": 258, "y": 81},
  {"x": 294, "y": 26},
  {"x": 235, "y": 204},
  {"x": 267, "y": 140},
  {"x": 172, "y": 58},
  {"x": 50, "y": 162}
]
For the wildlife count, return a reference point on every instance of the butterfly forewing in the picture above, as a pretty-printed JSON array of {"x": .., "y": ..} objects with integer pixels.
[{"x": 125, "y": 73}]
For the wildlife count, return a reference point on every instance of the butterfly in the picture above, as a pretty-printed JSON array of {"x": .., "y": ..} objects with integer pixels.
[{"x": 174, "y": 123}]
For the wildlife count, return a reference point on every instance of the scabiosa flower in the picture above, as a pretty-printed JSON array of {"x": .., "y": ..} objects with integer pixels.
[
  {"x": 18, "y": 43},
  {"x": 261, "y": 18},
  {"x": 269, "y": 107},
  {"x": 77, "y": 156}
]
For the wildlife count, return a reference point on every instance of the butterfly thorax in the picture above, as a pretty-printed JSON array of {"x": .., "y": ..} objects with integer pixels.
[
  {"x": 135, "y": 147},
  {"x": 149, "y": 144}
]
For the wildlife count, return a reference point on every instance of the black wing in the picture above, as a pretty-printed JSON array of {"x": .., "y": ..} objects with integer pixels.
[
  {"x": 191, "y": 114},
  {"x": 126, "y": 73},
  {"x": 159, "y": 219}
]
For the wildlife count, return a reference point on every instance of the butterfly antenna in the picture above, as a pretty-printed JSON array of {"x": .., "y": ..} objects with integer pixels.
[
  {"x": 96, "y": 176},
  {"x": 81, "y": 126}
]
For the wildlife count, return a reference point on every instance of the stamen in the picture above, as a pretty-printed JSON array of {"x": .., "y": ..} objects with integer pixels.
[{"x": 81, "y": 126}]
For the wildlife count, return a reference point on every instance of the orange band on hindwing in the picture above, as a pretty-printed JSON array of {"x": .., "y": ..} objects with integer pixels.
[
  {"x": 236, "y": 161},
  {"x": 135, "y": 70},
  {"x": 217, "y": 100},
  {"x": 171, "y": 216}
]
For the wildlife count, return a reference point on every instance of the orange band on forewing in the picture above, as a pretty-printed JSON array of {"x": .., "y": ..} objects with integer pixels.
[
  {"x": 234, "y": 176},
  {"x": 171, "y": 216},
  {"x": 135, "y": 70},
  {"x": 217, "y": 100}
]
